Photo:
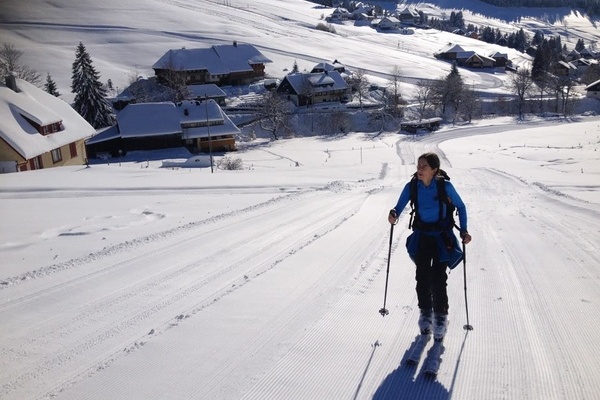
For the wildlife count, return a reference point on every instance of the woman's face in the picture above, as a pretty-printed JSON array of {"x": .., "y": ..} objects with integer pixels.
[{"x": 424, "y": 172}]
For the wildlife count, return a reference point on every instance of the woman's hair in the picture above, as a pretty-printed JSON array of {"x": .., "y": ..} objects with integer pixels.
[{"x": 432, "y": 160}]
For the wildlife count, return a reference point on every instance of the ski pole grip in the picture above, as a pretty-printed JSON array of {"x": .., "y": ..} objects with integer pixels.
[{"x": 393, "y": 213}]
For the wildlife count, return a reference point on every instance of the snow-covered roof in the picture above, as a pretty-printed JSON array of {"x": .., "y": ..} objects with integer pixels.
[
  {"x": 148, "y": 119},
  {"x": 320, "y": 81},
  {"x": 208, "y": 89},
  {"x": 201, "y": 112},
  {"x": 451, "y": 48},
  {"x": 498, "y": 54},
  {"x": 167, "y": 118},
  {"x": 465, "y": 54},
  {"x": 44, "y": 109},
  {"x": 217, "y": 60}
]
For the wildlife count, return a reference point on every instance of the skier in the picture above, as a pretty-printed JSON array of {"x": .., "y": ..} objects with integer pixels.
[{"x": 434, "y": 199}]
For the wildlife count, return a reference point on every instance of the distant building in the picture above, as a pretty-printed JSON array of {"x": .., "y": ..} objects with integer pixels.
[
  {"x": 593, "y": 90},
  {"x": 38, "y": 130},
  {"x": 198, "y": 126},
  {"x": 234, "y": 64},
  {"x": 306, "y": 89}
]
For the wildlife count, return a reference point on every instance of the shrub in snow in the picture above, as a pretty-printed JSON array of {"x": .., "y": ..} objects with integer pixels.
[{"x": 230, "y": 164}]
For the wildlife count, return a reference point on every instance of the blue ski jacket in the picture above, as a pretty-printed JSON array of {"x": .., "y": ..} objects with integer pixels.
[{"x": 429, "y": 206}]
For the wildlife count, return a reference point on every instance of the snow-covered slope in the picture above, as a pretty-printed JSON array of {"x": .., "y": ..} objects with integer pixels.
[{"x": 134, "y": 282}]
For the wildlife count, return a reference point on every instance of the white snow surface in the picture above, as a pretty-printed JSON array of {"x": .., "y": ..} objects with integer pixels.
[
  {"x": 134, "y": 282},
  {"x": 126, "y": 280}
]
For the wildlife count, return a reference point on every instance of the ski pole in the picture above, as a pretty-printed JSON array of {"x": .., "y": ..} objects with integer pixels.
[
  {"x": 468, "y": 326},
  {"x": 384, "y": 310}
]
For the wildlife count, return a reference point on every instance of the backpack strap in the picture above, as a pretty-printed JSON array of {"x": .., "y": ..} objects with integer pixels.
[{"x": 413, "y": 201}]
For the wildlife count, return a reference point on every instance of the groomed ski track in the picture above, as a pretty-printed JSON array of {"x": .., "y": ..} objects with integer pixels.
[{"x": 172, "y": 315}]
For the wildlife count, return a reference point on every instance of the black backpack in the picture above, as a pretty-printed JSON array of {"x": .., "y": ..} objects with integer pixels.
[{"x": 444, "y": 222}]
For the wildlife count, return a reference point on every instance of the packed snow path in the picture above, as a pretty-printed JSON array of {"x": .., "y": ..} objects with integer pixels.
[{"x": 278, "y": 298}]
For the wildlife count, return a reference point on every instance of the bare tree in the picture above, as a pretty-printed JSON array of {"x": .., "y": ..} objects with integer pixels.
[
  {"x": 10, "y": 62},
  {"x": 521, "y": 83},
  {"x": 360, "y": 83},
  {"x": 424, "y": 95},
  {"x": 393, "y": 95},
  {"x": 175, "y": 79},
  {"x": 274, "y": 113},
  {"x": 468, "y": 104}
]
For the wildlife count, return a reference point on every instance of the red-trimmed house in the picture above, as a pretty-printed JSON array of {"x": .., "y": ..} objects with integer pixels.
[{"x": 38, "y": 130}]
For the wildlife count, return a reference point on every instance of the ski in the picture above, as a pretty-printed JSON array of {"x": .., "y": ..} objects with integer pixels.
[
  {"x": 433, "y": 360},
  {"x": 418, "y": 349}
]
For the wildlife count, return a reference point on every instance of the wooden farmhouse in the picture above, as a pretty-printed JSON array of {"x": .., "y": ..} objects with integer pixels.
[
  {"x": 38, "y": 130},
  {"x": 198, "y": 126},
  {"x": 234, "y": 64},
  {"x": 409, "y": 16},
  {"x": 313, "y": 88}
]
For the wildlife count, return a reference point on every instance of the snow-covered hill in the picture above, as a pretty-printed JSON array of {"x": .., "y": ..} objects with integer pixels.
[
  {"x": 132, "y": 281},
  {"x": 125, "y": 39}
]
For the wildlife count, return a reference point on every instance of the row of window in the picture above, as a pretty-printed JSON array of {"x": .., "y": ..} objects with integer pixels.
[{"x": 57, "y": 153}]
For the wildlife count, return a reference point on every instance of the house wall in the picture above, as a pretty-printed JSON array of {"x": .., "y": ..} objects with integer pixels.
[
  {"x": 594, "y": 94},
  {"x": 217, "y": 144},
  {"x": 67, "y": 159},
  {"x": 7, "y": 153}
]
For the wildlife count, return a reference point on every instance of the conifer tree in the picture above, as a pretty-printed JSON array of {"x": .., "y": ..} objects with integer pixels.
[
  {"x": 90, "y": 96},
  {"x": 50, "y": 86}
]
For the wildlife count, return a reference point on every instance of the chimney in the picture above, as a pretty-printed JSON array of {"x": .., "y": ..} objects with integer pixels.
[{"x": 11, "y": 82}]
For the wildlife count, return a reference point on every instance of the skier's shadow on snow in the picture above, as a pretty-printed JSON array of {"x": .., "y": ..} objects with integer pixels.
[{"x": 409, "y": 382}]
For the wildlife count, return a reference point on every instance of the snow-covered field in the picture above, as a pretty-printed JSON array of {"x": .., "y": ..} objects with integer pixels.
[
  {"x": 134, "y": 282},
  {"x": 131, "y": 281}
]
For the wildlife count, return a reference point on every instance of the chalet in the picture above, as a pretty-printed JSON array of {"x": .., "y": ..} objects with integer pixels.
[
  {"x": 573, "y": 55},
  {"x": 38, "y": 130},
  {"x": 306, "y": 89},
  {"x": 500, "y": 59},
  {"x": 587, "y": 54},
  {"x": 450, "y": 52},
  {"x": 593, "y": 90},
  {"x": 198, "y": 126},
  {"x": 502, "y": 42},
  {"x": 234, "y": 64},
  {"x": 479, "y": 61},
  {"x": 565, "y": 68},
  {"x": 388, "y": 24},
  {"x": 340, "y": 14},
  {"x": 334, "y": 66},
  {"x": 409, "y": 16}
]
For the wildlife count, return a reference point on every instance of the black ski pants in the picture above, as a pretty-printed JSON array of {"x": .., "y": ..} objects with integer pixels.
[{"x": 431, "y": 276}]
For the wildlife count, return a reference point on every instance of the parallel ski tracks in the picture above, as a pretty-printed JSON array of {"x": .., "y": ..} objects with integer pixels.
[{"x": 143, "y": 301}]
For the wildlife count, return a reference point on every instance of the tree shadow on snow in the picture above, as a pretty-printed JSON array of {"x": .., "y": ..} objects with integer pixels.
[{"x": 407, "y": 382}]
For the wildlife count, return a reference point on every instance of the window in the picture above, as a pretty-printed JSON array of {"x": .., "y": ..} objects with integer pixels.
[
  {"x": 56, "y": 155},
  {"x": 73, "y": 149}
]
